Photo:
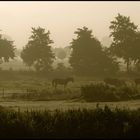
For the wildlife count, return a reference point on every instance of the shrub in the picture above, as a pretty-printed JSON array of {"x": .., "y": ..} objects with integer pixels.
[{"x": 105, "y": 92}]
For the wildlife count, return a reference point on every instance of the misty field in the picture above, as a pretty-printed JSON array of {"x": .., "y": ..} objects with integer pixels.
[
  {"x": 30, "y": 107},
  {"x": 38, "y": 94}
]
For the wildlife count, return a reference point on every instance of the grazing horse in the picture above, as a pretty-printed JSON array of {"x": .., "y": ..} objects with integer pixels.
[{"x": 64, "y": 82}]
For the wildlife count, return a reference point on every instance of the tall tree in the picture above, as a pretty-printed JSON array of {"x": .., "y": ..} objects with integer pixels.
[
  {"x": 136, "y": 51},
  {"x": 87, "y": 56},
  {"x": 38, "y": 51},
  {"x": 124, "y": 34},
  {"x": 6, "y": 50}
]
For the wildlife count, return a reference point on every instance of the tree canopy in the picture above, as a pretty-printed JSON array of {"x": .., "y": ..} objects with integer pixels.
[
  {"x": 6, "y": 50},
  {"x": 88, "y": 56},
  {"x": 124, "y": 34},
  {"x": 38, "y": 51}
]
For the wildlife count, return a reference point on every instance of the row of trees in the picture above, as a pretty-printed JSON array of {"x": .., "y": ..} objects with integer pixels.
[{"x": 88, "y": 56}]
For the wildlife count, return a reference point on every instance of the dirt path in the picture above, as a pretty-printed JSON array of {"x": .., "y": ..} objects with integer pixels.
[{"x": 52, "y": 105}]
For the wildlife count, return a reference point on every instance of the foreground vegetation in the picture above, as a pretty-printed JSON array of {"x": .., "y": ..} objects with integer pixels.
[{"x": 80, "y": 123}]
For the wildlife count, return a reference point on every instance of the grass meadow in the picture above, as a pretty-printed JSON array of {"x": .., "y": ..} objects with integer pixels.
[{"x": 87, "y": 108}]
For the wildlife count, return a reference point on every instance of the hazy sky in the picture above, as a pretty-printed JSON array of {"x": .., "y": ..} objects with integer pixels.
[{"x": 62, "y": 18}]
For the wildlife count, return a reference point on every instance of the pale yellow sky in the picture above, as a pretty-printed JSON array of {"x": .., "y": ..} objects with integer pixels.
[{"x": 62, "y": 18}]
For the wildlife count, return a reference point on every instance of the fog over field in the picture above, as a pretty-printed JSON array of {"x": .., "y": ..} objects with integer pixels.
[{"x": 69, "y": 69}]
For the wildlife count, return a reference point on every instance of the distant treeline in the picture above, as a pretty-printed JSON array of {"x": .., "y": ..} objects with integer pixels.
[{"x": 86, "y": 55}]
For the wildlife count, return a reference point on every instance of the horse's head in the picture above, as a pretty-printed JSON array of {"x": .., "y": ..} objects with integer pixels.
[{"x": 70, "y": 79}]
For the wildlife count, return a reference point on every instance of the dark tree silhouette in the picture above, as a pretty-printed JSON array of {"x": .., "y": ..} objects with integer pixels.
[
  {"x": 6, "y": 50},
  {"x": 38, "y": 51},
  {"x": 136, "y": 51},
  {"x": 87, "y": 55},
  {"x": 124, "y": 34}
]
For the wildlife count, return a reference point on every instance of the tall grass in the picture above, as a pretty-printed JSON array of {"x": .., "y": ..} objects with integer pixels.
[{"x": 81, "y": 123}]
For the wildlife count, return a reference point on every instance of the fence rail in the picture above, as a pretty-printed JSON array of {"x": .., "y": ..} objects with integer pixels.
[{"x": 8, "y": 92}]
